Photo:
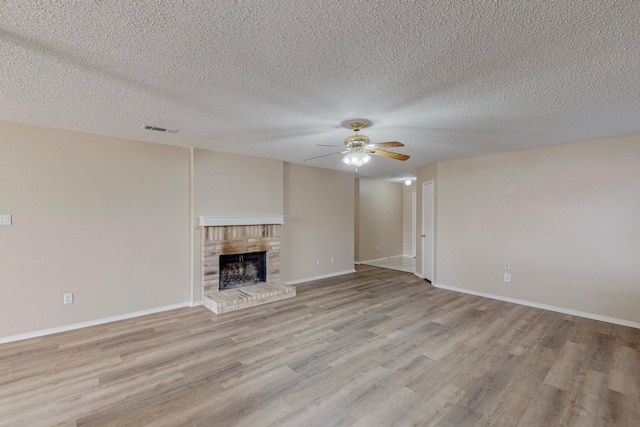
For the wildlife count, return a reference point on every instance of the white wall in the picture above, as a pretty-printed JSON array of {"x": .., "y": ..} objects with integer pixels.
[
  {"x": 566, "y": 218},
  {"x": 103, "y": 218}
]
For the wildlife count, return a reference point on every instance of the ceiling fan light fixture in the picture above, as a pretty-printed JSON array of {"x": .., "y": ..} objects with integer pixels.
[
  {"x": 356, "y": 158},
  {"x": 359, "y": 148}
]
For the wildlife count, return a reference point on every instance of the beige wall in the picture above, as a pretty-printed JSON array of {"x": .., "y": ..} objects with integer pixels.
[
  {"x": 380, "y": 220},
  {"x": 407, "y": 206},
  {"x": 319, "y": 211},
  {"x": 232, "y": 185},
  {"x": 566, "y": 218},
  {"x": 104, "y": 218},
  {"x": 426, "y": 174},
  {"x": 111, "y": 221}
]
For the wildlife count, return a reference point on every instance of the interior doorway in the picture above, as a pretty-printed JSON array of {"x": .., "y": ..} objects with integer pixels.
[
  {"x": 427, "y": 230},
  {"x": 414, "y": 205}
]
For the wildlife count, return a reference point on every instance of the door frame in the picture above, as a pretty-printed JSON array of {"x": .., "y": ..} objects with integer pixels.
[
  {"x": 428, "y": 239},
  {"x": 414, "y": 222}
]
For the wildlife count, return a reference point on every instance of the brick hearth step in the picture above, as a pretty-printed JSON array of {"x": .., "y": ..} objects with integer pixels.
[{"x": 247, "y": 296}]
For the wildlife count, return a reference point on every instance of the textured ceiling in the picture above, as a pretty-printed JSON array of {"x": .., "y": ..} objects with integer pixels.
[{"x": 274, "y": 78}]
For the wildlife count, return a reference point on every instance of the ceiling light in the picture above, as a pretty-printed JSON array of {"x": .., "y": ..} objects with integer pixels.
[
  {"x": 407, "y": 182},
  {"x": 356, "y": 158},
  {"x": 358, "y": 146}
]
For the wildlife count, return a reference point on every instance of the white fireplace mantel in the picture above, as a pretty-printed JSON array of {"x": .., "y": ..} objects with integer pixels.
[{"x": 217, "y": 221}]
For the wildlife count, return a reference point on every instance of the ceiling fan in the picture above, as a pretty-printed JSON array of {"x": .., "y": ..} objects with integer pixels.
[{"x": 359, "y": 149}]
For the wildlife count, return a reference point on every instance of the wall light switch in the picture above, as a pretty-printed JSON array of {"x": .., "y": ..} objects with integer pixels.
[
  {"x": 5, "y": 219},
  {"x": 507, "y": 278},
  {"x": 68, "y": 298}
]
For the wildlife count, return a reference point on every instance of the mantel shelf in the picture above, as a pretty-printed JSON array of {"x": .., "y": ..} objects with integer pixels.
[{"x": 213, "y": 221}]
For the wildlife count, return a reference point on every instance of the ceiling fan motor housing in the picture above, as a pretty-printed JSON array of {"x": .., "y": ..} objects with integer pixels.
[{"x": 357, "y": 142}]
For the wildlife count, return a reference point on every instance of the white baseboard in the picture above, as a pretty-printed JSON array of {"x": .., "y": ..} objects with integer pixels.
[
  {"x": 563, "y": 310},
  {"x": 383, "y": 259},
  {"x": 324, "y": 276},
  {"x": 81, "y": 325}
]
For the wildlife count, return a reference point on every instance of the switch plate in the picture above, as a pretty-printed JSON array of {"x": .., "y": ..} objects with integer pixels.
[
  {"x": 333, "y": 260},
  {"x": 507, "y": 278},
  {"x": 318, "y": 261},
  {"x": 5, "y": 219},
  {"x": 68, "y": 298},
  {"x": 507, "y": 267}
]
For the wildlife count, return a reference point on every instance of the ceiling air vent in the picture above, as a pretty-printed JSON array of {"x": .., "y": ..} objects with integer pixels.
[{"x": 158, "y": 129}]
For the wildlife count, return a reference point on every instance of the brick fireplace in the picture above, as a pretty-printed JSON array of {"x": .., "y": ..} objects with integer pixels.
[{"x": 225, "y": 236}]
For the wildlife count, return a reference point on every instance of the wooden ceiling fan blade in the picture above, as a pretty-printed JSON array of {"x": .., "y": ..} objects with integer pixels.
[
  {"x": 325, "y": 155},
  {"x": 389, "y": 154},
  {"x": 387, "y": 144}
]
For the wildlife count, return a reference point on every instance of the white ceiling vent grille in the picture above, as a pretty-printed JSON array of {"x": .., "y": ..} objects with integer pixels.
[{"x": 159, "y": 129}]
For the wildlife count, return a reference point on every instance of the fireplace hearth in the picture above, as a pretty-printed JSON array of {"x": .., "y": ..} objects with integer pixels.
[{"x": 241, "y": 262}]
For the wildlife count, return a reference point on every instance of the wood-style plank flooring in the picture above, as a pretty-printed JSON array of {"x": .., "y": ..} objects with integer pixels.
[
  {"x": 374, "y": 348},
  {"x": 402, "y": 263}
]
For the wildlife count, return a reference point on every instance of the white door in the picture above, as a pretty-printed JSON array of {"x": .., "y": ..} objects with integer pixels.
[
  {"x": 427, "y": 230},
  {"x": 413, "y": 224}
]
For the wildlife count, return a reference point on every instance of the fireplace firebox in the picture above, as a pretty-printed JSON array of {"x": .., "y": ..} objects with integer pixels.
[{"x": 242, "y": 270}]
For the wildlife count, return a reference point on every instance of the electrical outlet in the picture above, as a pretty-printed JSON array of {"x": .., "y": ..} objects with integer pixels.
[
  {"x": 507, "y": 267},
  {"x": 333, "y": 260},
  {"x": 318, "y": 261},
  {"x": 68, "y": 298},
  {"x": 5, "y": 219},
  {"x": 507, "y": 278}
]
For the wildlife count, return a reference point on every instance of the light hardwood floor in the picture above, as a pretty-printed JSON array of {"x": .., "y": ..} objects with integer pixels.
[
  {"x": 375, "y": 348},
  {"x": 402, "y": 263}
]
